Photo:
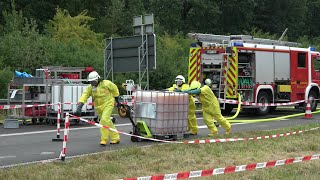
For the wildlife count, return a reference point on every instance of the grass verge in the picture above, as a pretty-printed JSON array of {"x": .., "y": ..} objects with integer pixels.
[{"x": 172, "y": 158}]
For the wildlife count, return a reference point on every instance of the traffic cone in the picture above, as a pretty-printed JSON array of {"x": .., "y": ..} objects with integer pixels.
[{"x": 308, "y": 114}]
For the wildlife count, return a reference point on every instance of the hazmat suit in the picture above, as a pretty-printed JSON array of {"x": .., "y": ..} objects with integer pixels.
[
  {"x": 210, "y": 108},
  {"x": 103, "y": 95},
  {"x": 192, "y": 120}
]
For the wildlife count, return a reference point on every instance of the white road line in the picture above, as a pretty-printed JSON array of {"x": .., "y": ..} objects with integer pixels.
[
  {"x": 5, "y": 157},
  {"x": 93, "y": 127},
  {"x": 49, "y": 131},
  {"x": 46, "y": 153}
]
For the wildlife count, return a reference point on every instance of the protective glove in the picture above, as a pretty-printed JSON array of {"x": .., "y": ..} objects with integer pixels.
[
  {"x": 79, "y": 108},
  {"x": 186, "y": 91},
  {"x": 195, "y": 91},
  {"x": 117, "y": 101}
]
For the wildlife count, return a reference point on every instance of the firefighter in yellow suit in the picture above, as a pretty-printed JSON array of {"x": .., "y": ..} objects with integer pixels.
[
  {"x": 210, "y": 108},
  {"x": 104, "y": 93},
  {"x": 192, "y": 120}
]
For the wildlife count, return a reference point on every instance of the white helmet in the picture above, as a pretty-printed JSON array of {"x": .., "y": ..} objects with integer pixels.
[
  {"x": 180, "y": 78},
  {"x": 93, "y": 76},
  {"x": 208, "y": 82}
]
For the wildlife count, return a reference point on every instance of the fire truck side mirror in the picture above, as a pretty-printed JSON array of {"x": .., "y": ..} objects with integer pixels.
[{"x": 229, "y": 50}]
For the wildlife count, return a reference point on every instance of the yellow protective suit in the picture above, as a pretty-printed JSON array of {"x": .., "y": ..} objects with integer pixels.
[
  {"x": 192, "y": 120},
  {"x": 211, "y": 110},
  {"x": 103, "y": 98}
]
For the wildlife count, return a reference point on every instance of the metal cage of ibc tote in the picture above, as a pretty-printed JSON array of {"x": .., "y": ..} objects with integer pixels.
[{"x": 165, "y": 113}]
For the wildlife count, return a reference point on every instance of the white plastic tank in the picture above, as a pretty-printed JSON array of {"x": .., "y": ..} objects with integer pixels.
[
  {"x": 171, "y": 112},
  {"x": 71, "y": 94}
]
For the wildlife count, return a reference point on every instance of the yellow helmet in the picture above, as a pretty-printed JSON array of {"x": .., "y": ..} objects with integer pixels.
[{"x": 195, "y": 85}]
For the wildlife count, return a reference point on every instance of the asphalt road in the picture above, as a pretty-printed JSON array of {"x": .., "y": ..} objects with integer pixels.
[{"x": 32, "y": 143}]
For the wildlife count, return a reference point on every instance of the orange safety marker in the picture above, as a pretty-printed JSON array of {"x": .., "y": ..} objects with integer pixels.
[{"x": 308, "y": 114}]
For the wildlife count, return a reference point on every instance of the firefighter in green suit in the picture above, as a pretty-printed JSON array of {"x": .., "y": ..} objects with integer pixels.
[
  {"x": 210, "y": 108},
  {"x": 104, "y": 93},
  {"x": 180, "y": 86}
]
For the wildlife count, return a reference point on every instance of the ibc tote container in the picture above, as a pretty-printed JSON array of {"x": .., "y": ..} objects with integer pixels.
[
  {"x": 165, "y": 113},
  {"x": 71, "y": 94}
]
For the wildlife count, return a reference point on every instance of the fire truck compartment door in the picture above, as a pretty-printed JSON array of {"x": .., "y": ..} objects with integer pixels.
[
  {"x": 299, "y": 71},
  {"x": 264, "y": 67},
  {"x": 281, "y": 66}
]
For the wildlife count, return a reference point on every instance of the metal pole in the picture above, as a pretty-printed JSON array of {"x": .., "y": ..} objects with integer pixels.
[
  {"x": 284, "y": 33},
  {"x": 105, "y": 63},
  {"x": 111, "y": 52},
  {"x": 147, "y": 59},
  {"x": 139, "y": 65}
]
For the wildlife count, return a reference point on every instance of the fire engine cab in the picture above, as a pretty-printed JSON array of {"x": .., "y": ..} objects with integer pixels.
[{"x": 258, "y": 70}]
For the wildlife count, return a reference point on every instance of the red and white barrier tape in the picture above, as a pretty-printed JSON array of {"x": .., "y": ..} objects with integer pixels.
[
  {"x": 65, "y": 137},
  {"x": 227, "y": 170},
  {"x": 120, "y": 132},
  {"x": 208, "y": 141},
  {"x": 23, "y": 106},
  {"x": 198, "y": 141},
  {"x": 229, "y": 101}
]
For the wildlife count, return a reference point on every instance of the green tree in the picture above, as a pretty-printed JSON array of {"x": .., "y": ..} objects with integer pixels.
[
  {"x": 312, "y": 23},
  {"x": 21, "y": 45},
  {"x": 236, "y": 16},
  {"x": 172, "y": 60},
  {"x": 73, "y": 42},
  {"x": 6, "y": 75},
  {"x": 66, "y": 28},
  {"x": 275, "y": 16},
  {"x": 167, "y": 15}
]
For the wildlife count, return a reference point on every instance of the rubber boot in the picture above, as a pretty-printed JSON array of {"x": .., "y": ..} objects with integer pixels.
[
  {"x": 228, "y": 131},
  {"x": 193, "y": 133},
  {"x": 116, "y": 141},
  {"x": 103, "y": 142},
  {"x": 213, "y": 134}
]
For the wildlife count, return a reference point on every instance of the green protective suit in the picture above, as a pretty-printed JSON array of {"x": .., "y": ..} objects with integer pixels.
[
  {"x": 192, "y": 120},
  {"x": 211, "y": 110},
  {"x": 103, "y": 98}
]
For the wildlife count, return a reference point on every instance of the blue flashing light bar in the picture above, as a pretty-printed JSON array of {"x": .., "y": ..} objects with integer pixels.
[
  {"x": 194, "y": 45},
  {"x": 313, "y": 48},
  {"x": 238, "y": 44}
]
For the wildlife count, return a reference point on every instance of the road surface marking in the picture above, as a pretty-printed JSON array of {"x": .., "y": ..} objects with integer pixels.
[
  {"x": 93, "y": 127},
  {"x": 46, "y": 153},
  {"x": 48, "y": 131},
  {"x": 5, "y": 157}
]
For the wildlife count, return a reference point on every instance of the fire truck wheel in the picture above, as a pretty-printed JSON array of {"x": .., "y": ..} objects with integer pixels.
[
  {"x": 47, "y": 121},
  {"x": 263, "y": 97},
  {"x": 313, "y": 103},
  {"x": 41, "y": 120},
  {"x": 34, "y": 120},
  {"x": 53, "y": 121},
  {"x": 272, "y": 108},
  {"x": 227, "y": 110}
]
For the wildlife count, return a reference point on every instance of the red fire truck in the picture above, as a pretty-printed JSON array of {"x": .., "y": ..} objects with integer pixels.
[{"x": 259, "y": 70}]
